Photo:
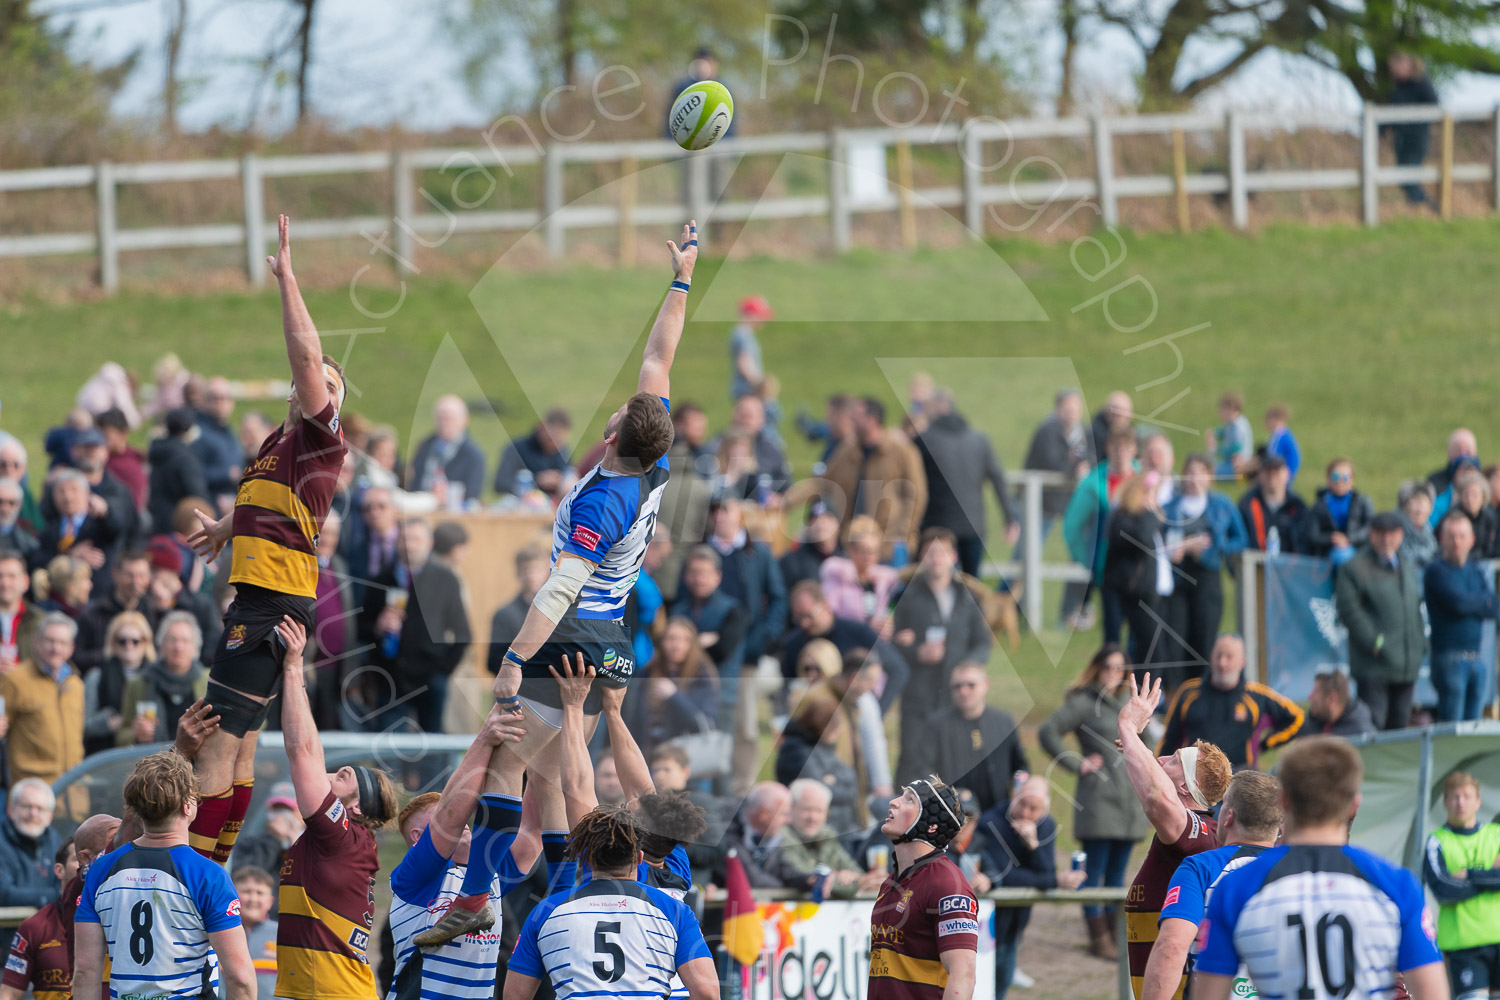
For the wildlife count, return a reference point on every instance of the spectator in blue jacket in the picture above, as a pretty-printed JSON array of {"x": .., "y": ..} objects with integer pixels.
[
  {"x": 1281, "y": 442},
  {"x": 27, "y": 846},
  {"x": 719, "y": 621},
  {"x": 1459, "y": 602},
  {"x": 1204, "y": 531},
  {"x": 1017, "y": 842},
  {"x": 218, "y": 443},
  {"x": 751, "y": 576},
  {"x": 1338, "y": 522}
]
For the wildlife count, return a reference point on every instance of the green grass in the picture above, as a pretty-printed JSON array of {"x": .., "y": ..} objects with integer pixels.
[{"x": 1380, "y": 341}]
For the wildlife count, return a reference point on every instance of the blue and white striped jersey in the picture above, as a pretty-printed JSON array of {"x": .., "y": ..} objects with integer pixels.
[
  {"x": 608, "y": 937},
  {"x": 1318, "y": 922},
  {"x": 609, "y": 518},
  {"x": 422, "y": 886},
  {"x": 157, "y": 906}
]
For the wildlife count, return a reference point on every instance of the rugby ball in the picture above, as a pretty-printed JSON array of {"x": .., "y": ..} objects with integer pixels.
[{"x": 701, "y": 114}]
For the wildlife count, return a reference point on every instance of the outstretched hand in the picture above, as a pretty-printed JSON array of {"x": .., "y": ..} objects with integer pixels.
[
  {"x": 212, "y": 535},
  {"x": 685, "y": 255},
  {"x": 1144, "y": 697},
  {"x": 281, "y": 263},
  {"x": 575, "y": 681}
]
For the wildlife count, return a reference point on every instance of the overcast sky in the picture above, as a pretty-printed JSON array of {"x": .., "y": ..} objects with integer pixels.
[{"x": 380, "y": 62}]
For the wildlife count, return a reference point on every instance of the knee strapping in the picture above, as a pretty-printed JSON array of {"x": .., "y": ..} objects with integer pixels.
[{"x": 238, "y": 713}]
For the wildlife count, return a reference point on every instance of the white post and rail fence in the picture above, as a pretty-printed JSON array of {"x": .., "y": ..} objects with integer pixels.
[{"x": 974, "y": 191}]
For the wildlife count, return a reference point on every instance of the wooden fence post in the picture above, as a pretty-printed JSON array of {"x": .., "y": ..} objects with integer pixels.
[
  {"x": 1179, "y": 179},
  {"x": 109, "y": 250},
  {"x": 971, "y": 153},
  {"x": 1445, "y": 178},
  {"x": 904, "y": 208},
  {"x": 1495, "y": 166},
  {"x": 1104, "y": 172},
  {"x": 254, "y": 191},
  {"x": 1369, "y": 166},
  {"x": 1239, "y": 199},
  {"x": 628, "y": 180},
  {"x": 838, "y": 201}
]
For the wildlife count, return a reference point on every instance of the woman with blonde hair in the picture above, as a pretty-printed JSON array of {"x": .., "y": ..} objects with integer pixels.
[
  {"x": 679, "y": 693},
  {"x": 1137, "y": 568},
  {"x": 1471, "y": 494},
  {"x": 127, "y": 648},
  {"x": 65, "y": 585},
  {"x": 856, "y": 585},
  {"x": 809, "y": 749},
  {"x": 1107, "y": 817}
]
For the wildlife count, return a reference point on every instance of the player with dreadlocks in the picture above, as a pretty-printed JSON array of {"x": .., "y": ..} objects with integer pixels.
[
  {"x": 611, "y": 936},
  {"x": 924, "y": 933}
]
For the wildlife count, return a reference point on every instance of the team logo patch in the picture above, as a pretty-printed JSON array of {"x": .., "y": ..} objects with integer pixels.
[
  {"x": 359, "y": 939},
  {"x": 1173, "y": 895},
  {"x": 234, "y": 909},
  {"x": 956, "y": 904},
  {"x": 235, "y": 637},
  {"x": 958, "y": 925},
  {"x": 1239, "y": 713},
  {"x": 1427, "y": 927},
  {"x": 905, "y": 898},
  {"x": 588, "y": 539}
]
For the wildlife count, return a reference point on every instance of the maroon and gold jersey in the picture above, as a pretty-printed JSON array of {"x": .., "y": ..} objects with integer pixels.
[
  {"x": 1149, "y": 890},
  {"x": 327, "y": 907},
  {"x": 921, "y": 913},
  {"x": 282, "y": 502},
  {"x": 39, "y": 956}
]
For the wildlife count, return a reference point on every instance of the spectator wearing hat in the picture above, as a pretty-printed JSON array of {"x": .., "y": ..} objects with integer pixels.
[
  {"x": 1459, "y": 602},
  {"x": 90, "y": 455},
  {"x": 1272, "y": 512},
  {"x": 1414, "y": 505},
  {"x": 1379, "y": 600},
  {"x": 218, "y": 442},
  {"x": 746, "y": 370},
  {"x": 176, "y": 471},
  {"x": 14, "y": 536},
  {"x": 58, "y": 442},
  {"x": 125, "y": 462},
  {"x": 1282, "y": 442},
  {"x": 543, "y": 453}
]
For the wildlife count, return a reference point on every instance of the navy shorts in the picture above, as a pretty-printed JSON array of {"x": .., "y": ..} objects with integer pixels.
[
  {"x": 1474, "y": 970},
  {"x": 606, "y": 646}
]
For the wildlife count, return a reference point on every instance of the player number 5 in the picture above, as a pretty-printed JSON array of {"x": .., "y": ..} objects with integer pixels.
[{"x": 603, "y": 946}]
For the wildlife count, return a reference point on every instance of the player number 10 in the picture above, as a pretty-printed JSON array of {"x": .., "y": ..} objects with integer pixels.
[{"x": 1326, "y": 923}]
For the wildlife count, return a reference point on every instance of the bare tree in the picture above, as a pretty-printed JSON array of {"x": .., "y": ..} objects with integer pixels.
[{"x": 177, "y": 21}]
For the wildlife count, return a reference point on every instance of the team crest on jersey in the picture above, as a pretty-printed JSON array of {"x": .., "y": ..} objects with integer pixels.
[
  {"x": 1173, "y": 895},
  {"x": 1239, "y": 713},
  {"x": 234, "y": 909},
  {"x": 235, "y": 637},
  {"x": 905, "y": 898},
  {"x": 956, "y": 904},
  {"x": 588, "y": 539}
]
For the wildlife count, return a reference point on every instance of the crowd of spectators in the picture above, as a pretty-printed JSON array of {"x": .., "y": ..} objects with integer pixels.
[{"x": 876, "y": 614}]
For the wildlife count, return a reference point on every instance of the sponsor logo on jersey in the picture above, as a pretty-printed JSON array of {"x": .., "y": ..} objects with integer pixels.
[
  {"x": 336, "y": 812},
  {"x": 609, "y": 904},
  {"x": 588, "y": 539},
  {"x": 1427, "y": 927},
  {"x": 333, "y": 424},
  {"x": 234, "y": 909},
  {"x": 142, "y": 878},
  {"x": 1243, "y": 988},
  {"x": 1173, "y": 895},
  {"x": 956, "y": 904},
  {"x": 609, "y": 658},
  {"x": 1196, "y": 827},
  {"x": 958, "y": 925},
  {"x": 235, "y": 637},
  {"x": 16, "y": 963},
  {"x": 359, "y": 939},
  {"x": 52, "y": 943}
]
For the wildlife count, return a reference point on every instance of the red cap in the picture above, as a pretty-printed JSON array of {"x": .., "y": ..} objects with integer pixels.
[
  {"x": 165, "y": 554},
  {"x": 755, "y": 307}
]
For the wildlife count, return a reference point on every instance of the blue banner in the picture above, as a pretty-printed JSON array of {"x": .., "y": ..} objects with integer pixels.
[{"x": 1304, "y": 636}]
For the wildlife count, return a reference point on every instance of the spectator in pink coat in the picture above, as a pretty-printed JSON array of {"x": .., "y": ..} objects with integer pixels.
[{"x": 857, "y": 585}]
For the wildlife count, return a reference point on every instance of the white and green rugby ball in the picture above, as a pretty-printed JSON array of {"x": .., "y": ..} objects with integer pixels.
[{"x": 701, "y": 115}]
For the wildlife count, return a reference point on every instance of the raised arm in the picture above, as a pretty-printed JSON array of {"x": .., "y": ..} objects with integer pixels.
[
  {"x": 1156, "y": 792},
  {"x": 577, "y": 769},
  {"x": 462, "y": 790},
  {"x": 661, "y": 346},
  {"x": 299, "y": 734},
  {"x": 630, "y": 763},
  {"x": 303, "y": 349}
]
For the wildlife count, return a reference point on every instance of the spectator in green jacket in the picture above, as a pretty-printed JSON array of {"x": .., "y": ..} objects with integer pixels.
[
  {"x": 1460, "y": 869},
  {"x": 808, "y": 841},
  {"x": 1379, "y": 600}
]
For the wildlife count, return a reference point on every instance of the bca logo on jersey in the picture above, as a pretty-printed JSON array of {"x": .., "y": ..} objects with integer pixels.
[
  {"x": 234, "y": 909},
  {"x": 955, "y": 904},
  {"x": 359, "y": 940}
]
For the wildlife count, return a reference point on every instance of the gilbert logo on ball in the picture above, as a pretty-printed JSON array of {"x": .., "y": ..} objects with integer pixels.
[{"x": 701, "y": 115}]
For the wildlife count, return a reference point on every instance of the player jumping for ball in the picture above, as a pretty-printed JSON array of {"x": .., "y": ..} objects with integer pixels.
[
  {"x": 282, "y": 502},
  {"x": 599, "y": 540}
]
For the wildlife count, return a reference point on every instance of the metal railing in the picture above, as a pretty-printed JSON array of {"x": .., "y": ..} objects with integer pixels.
[{"x": 970, "y": 194}]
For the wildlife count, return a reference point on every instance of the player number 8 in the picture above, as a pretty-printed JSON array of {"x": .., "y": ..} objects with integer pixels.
[
  {"x": 604, "y": 946},
  {"x": 141, "y": 921}
]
